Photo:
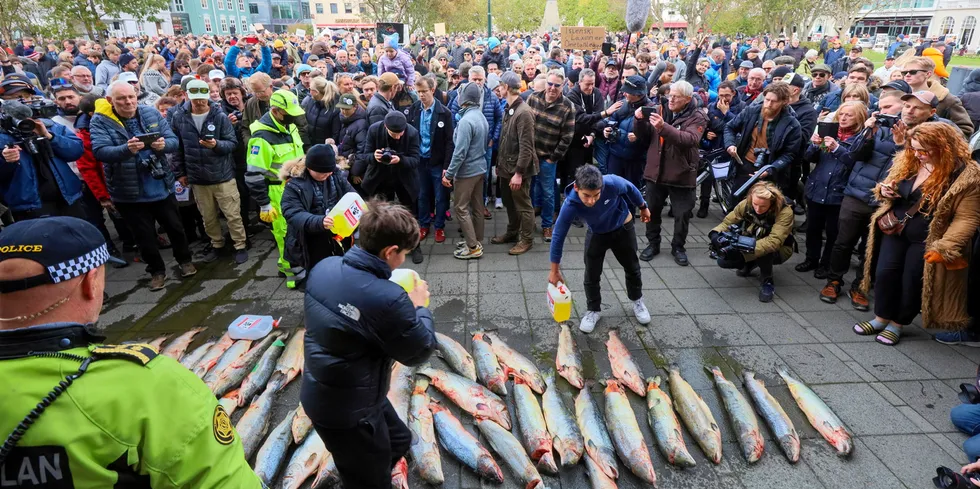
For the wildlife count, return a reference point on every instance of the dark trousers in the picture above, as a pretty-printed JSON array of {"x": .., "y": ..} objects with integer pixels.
[
  {"x": 433, "y": 197},
  {"x": 56, "y": 208},
  {"x": 898, "y": 280},
  {"x": 681, "y": 200},
  {"x": 366, "y": 453},
  {"x": 141, "y": 217},
  {"x": 95, "y": 214},
  {"x": 818, "y": 218},
  {"x": 630, "y": 169},
  {"x": 852, "y": 227},
  {"x": 321, "y": 246},
  {"x": 622, "y": 242},
  {"x": 243, "y": 192},
  {"x": 520, "y": 213},
  {"x": 764, "y": 262},
  {"x": 393, "y": 192},
  {"x": 705, "y": 196}
]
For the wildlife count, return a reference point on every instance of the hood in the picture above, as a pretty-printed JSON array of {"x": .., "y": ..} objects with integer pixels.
[
  {"x": 931, "y": 52},
  {"x": 293, "y": 169},
  {"x": 103, "y": 107},
  {"x": 83, "y": 121},
  {"x": 972, "y": 83},
  {"x": 267, "y": 123},
  {"x": 938, "y": 89}
]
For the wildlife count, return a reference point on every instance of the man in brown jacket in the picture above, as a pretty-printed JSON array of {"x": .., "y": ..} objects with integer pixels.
[
  {"x": 672, "y": 165},
  {"x": 516, "y": 165}
]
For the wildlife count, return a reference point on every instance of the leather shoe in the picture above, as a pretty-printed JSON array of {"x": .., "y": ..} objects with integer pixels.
[
  {"x": 807, "y": 266},
  {"x": 417, "y": 255},
  {"x": 680, "y": 257},
  {"x": 703, "y": 210},
  {"x": 649, "y": 252}
]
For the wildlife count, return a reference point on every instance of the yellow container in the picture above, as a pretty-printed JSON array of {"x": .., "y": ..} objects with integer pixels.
[
  {"x": 407, "y": 278},
  {"x": 560, "y": 302},
  {"x": 347, "y": 214}
]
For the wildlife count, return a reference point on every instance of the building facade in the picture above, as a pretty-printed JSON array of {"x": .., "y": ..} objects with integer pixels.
[
  {"x": 954, "y": 19},
  {"x": 339, "y": 14},
  {"x": 216, "y": 17},
  {"x": 126, "y": 26},
  {"x": 278, "y": 15}
]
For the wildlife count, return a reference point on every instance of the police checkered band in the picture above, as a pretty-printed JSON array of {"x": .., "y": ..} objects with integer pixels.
[{"x": 77, "y": 266}]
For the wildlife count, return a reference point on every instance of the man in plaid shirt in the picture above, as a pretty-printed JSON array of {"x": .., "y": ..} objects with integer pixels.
[{"x": 554, "y": 127}]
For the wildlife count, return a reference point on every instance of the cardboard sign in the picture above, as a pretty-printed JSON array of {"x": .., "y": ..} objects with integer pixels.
[
  {"x": 440, "y": 29},
  {"x": 586, "y": 38},
  {"x": 256, "y": 27},
  {"x": 301, "y": 32}
]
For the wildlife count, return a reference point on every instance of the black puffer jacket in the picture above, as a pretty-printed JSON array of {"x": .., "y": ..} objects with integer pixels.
[
  {"x": 404, "y": 173},
  {"x": 357, "y": 323},
  {"x": 203, "y": 166},
  {"x": 871, "y": 154},
  {"x": 352, "y": 134},
  {"x": 304, "y": 211},
  {"x": 322, "y": 120}
]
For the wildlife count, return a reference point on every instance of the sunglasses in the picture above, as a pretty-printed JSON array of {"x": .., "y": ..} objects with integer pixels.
[
  {"x": 767, "y": 69},
  {"x": 197, "y": 91},
  {"x": 59, "y": 82},
  {"x": 554, "y": 85},
  {"x": 134, "y": 83},
  {"x": 820, "y": 75},
  {"x": 921, "y": 152},
  {"x": 911, "y": 72}
]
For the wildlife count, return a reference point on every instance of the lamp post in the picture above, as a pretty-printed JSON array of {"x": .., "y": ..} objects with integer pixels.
[{"x": 489, "y": 22}]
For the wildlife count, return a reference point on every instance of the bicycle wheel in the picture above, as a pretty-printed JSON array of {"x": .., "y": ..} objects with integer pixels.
[{"x": 723, "y": 190}]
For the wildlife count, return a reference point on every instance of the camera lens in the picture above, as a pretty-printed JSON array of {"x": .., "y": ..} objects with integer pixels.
[{"x": 25, "y": 125}]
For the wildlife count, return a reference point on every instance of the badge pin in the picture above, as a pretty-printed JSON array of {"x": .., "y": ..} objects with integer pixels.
[
  {"x": 441, "y": 124},
  {"x": 511, "y": 111}
]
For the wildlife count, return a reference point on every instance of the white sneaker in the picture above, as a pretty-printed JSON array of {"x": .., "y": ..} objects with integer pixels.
[
  {"x": 467, "y": 253},
  {"x": 641, "y": 312},
  {"x": 499, "y": 204},
  {"x": 589, "y": 321}
]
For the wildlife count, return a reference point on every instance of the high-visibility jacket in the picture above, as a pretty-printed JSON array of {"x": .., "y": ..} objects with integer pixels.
[{"x": 271, "y": 145}]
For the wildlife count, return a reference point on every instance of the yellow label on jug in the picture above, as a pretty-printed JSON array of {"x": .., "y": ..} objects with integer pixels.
[
  {"x": 347, "y": 214},
  {"x": 559, "y": 302}
]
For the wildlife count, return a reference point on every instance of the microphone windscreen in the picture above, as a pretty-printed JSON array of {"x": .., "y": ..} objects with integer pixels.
[
  {"x": 17, "y": 110},
  {"x": 637, "y": 12}
]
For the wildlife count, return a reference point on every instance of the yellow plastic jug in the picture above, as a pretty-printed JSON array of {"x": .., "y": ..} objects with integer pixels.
[
  {"x": 347, "y": 214},
  {"x": 560, "y": 302},
  {"x": 407, "y": 278}
]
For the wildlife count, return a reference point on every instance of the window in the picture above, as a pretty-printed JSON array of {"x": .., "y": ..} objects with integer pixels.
[
  {"x": 115, "y": 26},
  {"x": 231, "y": 24},
  {"x": 969, "y": 25},
  {"x": 319, "y": 8},
  {"x": 244, "y": 24},
  {"x": 947, "y": 26},
  {"x": 221, "y": 4},
  {"x": 306, "y": 9},
  {"x": 178, "y": 5},
  {"x": 204, "y": 3},
  {"x": 362, "y": 9},
  {"x": 241, "y": 5},
  {"x": 333, "y": 8},
  {"x": 348, "y": 8},
  {"x": 253, "y": 8},
  {"x": 224, "y": 24},
  {"x": 207, "y": 24}
]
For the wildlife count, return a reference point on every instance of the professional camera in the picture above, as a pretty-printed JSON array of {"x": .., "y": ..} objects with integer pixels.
[
  {"x": 614, "y": 130},
  {"x": 887, "y": 120},
  {"x": 732, "y": 241},
  {"x": 238, "y": 115},
  {"x": 41, "y": 108},
  {"x": 761, "y": 157},
  {"x": 154, "y": 166},
  {"x": 386, "y": 155},
  {"x": 947, "y": 478},
  {"x": 15, "y": 119}
]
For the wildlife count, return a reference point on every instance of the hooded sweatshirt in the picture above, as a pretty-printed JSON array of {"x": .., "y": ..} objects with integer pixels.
[
  {"x": 469, "y": 138},
  {"x": 608, "y": 214}
]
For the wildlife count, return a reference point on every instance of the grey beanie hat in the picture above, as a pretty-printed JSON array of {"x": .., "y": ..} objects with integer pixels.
[{"x": 471, "y": 94}]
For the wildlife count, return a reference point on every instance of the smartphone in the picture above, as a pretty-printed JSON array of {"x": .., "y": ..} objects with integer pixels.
[
  {"x": 148, "y": 138},
  {"x": 252, "y": 39},
  {"x": 649, "y": 110}
]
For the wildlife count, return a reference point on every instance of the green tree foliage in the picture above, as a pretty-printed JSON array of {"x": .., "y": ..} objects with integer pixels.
[
  {"x": 87, "y": 14},
  {"x": 610, "y": 14}
]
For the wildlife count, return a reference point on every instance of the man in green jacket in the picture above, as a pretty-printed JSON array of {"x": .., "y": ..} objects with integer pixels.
[
  {"x": 275, "y": 140},
  {"x": 76, "y": 413}
]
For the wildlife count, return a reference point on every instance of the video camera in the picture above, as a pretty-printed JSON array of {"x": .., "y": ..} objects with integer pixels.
[
  {"x": 761, "y": 157},
  {"x": 732, "y": 241},
  {"x": 613, "y": 126},
  {"x": 887, "y": 120},
  {"x": 947, "y": 478},
  {"x": 16, "y": 122}
]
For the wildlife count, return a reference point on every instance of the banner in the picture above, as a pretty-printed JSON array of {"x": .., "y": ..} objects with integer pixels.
[
  {"x": 586, "y": 38},
  {"x": 440, "y": 29}
]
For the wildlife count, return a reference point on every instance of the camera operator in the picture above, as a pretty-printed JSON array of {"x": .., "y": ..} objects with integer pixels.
[
  {"x": 588, "y": 105},
  {"x": 762, "y": 134},
  {"x": 138, "y": 177},
  {"x": 35, "y": 177},
  {"x": 390, "y": 161},
  {"x": 757, "y": 233},
  {"x": 626, "y": 148}
]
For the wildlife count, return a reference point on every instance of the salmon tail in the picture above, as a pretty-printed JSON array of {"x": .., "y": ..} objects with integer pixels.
[
  {"x": 421, "y": 384},
  {"x": 653, "y": 383},
  {"x": 238, "y": 398},
  {"x": 547, "y": 464}
]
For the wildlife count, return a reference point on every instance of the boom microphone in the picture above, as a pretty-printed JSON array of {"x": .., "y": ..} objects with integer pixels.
[{"x": 637, "y": 12}]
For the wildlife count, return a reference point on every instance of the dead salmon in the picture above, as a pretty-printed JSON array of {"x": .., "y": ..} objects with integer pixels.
[
  {"x": 158, "y": 341},
  {"x": 462, "y": 445},
  {"x": 400, "y": 389},
  {"x": 533, "y": 430},
  {"x": 696, "y": 415},
  {"x": 743, "y": 419},
  {"x": 215, "y": 353},
  {"x": 665, "y": 426},
  {"x": 191, "y": 359},
  {"x": 226, "y": 358},
  {"x": 568, "y": 361},
  {"x": 623, "y": 367},
  {"x": 820, "y": 416},
  {"x": 399, "y": 475},
  {"x": 176, "y": 348},
  {"x": 566, "y": 437},
  {"x": 470, "y": 396},
  {"x": 304, "y": 462},
  {"x": 779, "y": 423},
  {"x": 259, "y": 375},
  {"x": 273, "y": 451},
  {"x": 327, "y": 474},
  {"x": 516, "y": 364},
  {"x": 424, "y": 450},
  {"x": 625, "y": 433},
  {"x": 290, "y": 363},
  {"x": 598, "y": 445},
  {"x": 233, "y": 375},
  {"x": 229, "y": 402},
  {"x": 511, "y": 452},
  {"x": 302, "y": 424},
  {"x": 597, "y": 477},
  {"x": 254, "y": 424},
  {"x": 456, "y": 356},
  {"x": 488, "y": 369}
]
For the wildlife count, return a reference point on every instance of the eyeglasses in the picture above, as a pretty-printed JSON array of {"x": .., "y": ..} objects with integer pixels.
[
  {"x": 921, "y": 152},
  {"x": 554, "y": 85},
  {"x": 820, "y": 74},
  {"x": 134, "y": 83},
  {"x": 911, "y": 72},
  {"x": 767, "y": 70},
  {"x": 197, "y": 91}
]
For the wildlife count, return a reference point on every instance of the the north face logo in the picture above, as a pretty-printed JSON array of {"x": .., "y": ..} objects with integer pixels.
[{"x": 350, "y": 311}]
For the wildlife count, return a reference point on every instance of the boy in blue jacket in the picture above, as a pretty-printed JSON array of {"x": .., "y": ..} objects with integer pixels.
[{"x": 604, "y": 203}]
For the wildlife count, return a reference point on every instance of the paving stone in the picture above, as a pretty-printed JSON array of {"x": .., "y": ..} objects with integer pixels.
[
  {"x": 912, "y": 458},
  {"x": 725, "y": 330},
  {"x": 499, "y": 282},
  {"x": 863, "y": 410},
  {"x": 931, "y": 399},
  {"x": 124, "y": 316},
  {"x": 256, "y": 288},
  {"x": 884, "y": 362},
  {"x": 803, "y": 298},
  {"x": 450, "y": 309},
  {"x": 746, "y": 300},
  {"x": 837, "y": 325},
  {"x": 676, "y": 331},
  {"x": 762, "y": 360},
  {"x": 682, "y": 278},
  {"x": 503, "y": 306},
  {"x": 814, "y": 364},
  {"x": 863, "y": 469},
  {"x": 721, "y": 278},
  {"x": 937, "y": 358},
  {"x": 701, "y": 301},
  {"x": 205, "y": 290},
  {"x": 661, "y": 302},
  {"x": 447, "y": 283},
  {"x": 500, "y": 261},
  {"x": 777, "y": 329}
]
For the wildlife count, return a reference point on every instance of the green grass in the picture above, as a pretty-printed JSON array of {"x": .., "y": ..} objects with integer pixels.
[{"x": 972, "y": 61}]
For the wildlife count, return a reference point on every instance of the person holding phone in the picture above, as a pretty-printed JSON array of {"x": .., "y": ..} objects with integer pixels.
[{"x": 239, "y": 66}]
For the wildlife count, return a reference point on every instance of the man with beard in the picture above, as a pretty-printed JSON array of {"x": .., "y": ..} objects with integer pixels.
[
  {"x": 51, "y": 293},
  {"x": 820, "y": 85},
  {"x": 81, "y": 78},
  {"x": 753, "y": 86},
  {"x": 608, "y": 83}
]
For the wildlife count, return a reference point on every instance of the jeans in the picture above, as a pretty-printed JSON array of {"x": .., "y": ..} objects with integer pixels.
[
  {"x": 898, "y": 280},
  {"x": 820, "y": 217},
  {"x": 966, "y": 418},
  {"x": 852, "y": 227},
  {"x": 366, "y": 453},
  {"x": 142, "y": 218},
  {"x": 622, "y": 242},
  {"x": 681, "y": 200},
  {"x": 543, "y": 194},
  {"x": 487, "y": 186},
  {"x": 601, "y": 154},
  {"x": 430, "y": 181}
]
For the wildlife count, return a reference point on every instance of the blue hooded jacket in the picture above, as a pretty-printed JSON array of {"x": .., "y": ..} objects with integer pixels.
[
  {"x": 608, "y": 214},
  {"x": 232, "y": 69},
  {"x": 18, "y": 181}
]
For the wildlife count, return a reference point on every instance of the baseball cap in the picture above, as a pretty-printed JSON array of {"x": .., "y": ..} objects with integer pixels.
[
  {"x": 389, "y": 79},
  {"x": 198, "y": 90},
  {"x": 612, "y": 62},
  {"x": 890, "y": 56},
  {"x": 128, "y": 77},
  {"x": 634, "y": 85},
  {"x": 15, "y": 82},
  {"x": 747, "y": 65},
  {"x": 821, "y": 67},
  {"x": 347, "y": 101},
  {"x": 924, "y": 96},
  {"x": 898, "y": 85},
  {"x": 216, "y": 75},
  {"x": 286, "y": 100},
  {"x": 857, "y": 48},
  {"x": 67, "y": 247},
  {"x": 511, "y": 80},
  {"x": 395, "y": 121},
  {"x": 493, "y": 80},
  {"x": 794, "y": 79}
]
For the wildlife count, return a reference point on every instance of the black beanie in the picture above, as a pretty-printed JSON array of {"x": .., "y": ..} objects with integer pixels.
[{"x": 321, "y": 158}]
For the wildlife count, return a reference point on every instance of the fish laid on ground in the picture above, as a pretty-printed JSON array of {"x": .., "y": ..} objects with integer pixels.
[
  {"x": 742, "y": 416},
  {"x": 696, "y": 415},
  {"x": 820, "y": 416},
  {"x": 254, "y": 424},
  {"x": 229, "y": 402},
  {"x": 290, "y": 363},
  {"x": 511, "y": 452},
  {"x": 597, "y": 478},
  {"x": 304, "y": 462},
  {"x": 193, "y": 358},
  {"x": 176, "y": 348},
  {"x": 533, "y": 430},
  {"x": 208, "y": 369},
  {"x": 625, "y": 433},
  {"x": 598, "y": 445},
  {"x": 623, "y": 367},
  {"x": 158, "y": 341},
  {"x": 213, "y": 355},
  {"x": 399, "y": 475},
  {"x": 424, "y": 450},
  {"x": 273, "y": 451},
  {"x": 516, "y": 364},
  {"x": 566, "y": 436},
  {"x": 259, "y": 376},
  {"x": 472, "y": 397},
  {"x": 464, "y": 446},
  {"x": 488, "y": 369},
  {"x": 568, "y": 360},
  {"x": 233, "y": 375},
  {"x": 327, "y": 474},
  {"x": 665, "y": 426},
  {"x": 456, "y": 356},
  {"x": 302, "y": 424},
  {"x": 779, "y": 423},
  {"x": 400, "y": 389}
]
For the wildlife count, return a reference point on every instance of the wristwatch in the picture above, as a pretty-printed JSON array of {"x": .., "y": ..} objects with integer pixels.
[{"x": 643, "y": 206}]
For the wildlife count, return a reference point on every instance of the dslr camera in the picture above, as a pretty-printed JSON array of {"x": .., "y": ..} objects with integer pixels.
[
  {"x": 386, "y": 155},
  {"x": 613, "y": 126},
  {"x": 887, "y": 120},
  {"x": 761, "y": 157},
  {"x": 947, "y": 478},
  {"x": 154, "y": 166},
  {"x": 726, "y": 243}
]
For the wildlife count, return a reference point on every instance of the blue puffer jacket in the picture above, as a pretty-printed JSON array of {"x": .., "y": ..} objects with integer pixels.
[
  {"x": 201, "y": 165},
  {"x": 871, "y": 155},
  {"x": 357, "y": 323},
  {"x": 492, "y": 110},
  {"x": 826, "y": 182},
  {"x": 232, "y": 69},
  {"x": 18, "y": 181},
  {"x": 127, "y": 177}
]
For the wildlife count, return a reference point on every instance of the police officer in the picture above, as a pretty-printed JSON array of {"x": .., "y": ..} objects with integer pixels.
[
  {"x": 275, "y": 140},
  {"x": 130, "y": 417}
]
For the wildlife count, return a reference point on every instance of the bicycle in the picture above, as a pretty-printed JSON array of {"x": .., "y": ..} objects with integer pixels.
[{"x": 714, "y": 165}]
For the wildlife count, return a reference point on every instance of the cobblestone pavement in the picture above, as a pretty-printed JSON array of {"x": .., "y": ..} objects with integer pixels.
[{"x": 895, "y": 400}]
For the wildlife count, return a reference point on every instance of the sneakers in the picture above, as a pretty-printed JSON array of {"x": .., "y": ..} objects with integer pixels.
[
  {"x": 521, "y": 248},
  {"x": 547, "y": 234},
  {"x": 649, "y": 252},
  {"x": 807, "y": 266},
  {"x": 466, "y": 253},
  {"x": 499, "y": 204},
  {"x": 417, "y": 255},
  {"x": 640, "y": 312},
  {"x": 187, "y": 270},
  {"x": 589, "y": 321},
  {"x": 830, "y": 292},
  {"x": 964, "y": 337},
  {"x": 440, "y": 235},
  {"x": 210, "y": 255},
  {"x": 859, "y": 300},
  {"x": 423, "y": 233},
  {"x": 157, "y": 282},
  {"x": 680, "y": 257},
  {"x": 504, "y": 239},
  {"x": 768, "y": 290},
  {"x": 241, "y": 256}
]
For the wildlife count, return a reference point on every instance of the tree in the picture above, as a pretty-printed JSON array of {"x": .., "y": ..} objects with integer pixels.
[
  {"x": 610, "y": 14},
  {"x": 846, "y": 12},
  {"x": 89, "y": 13}
]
